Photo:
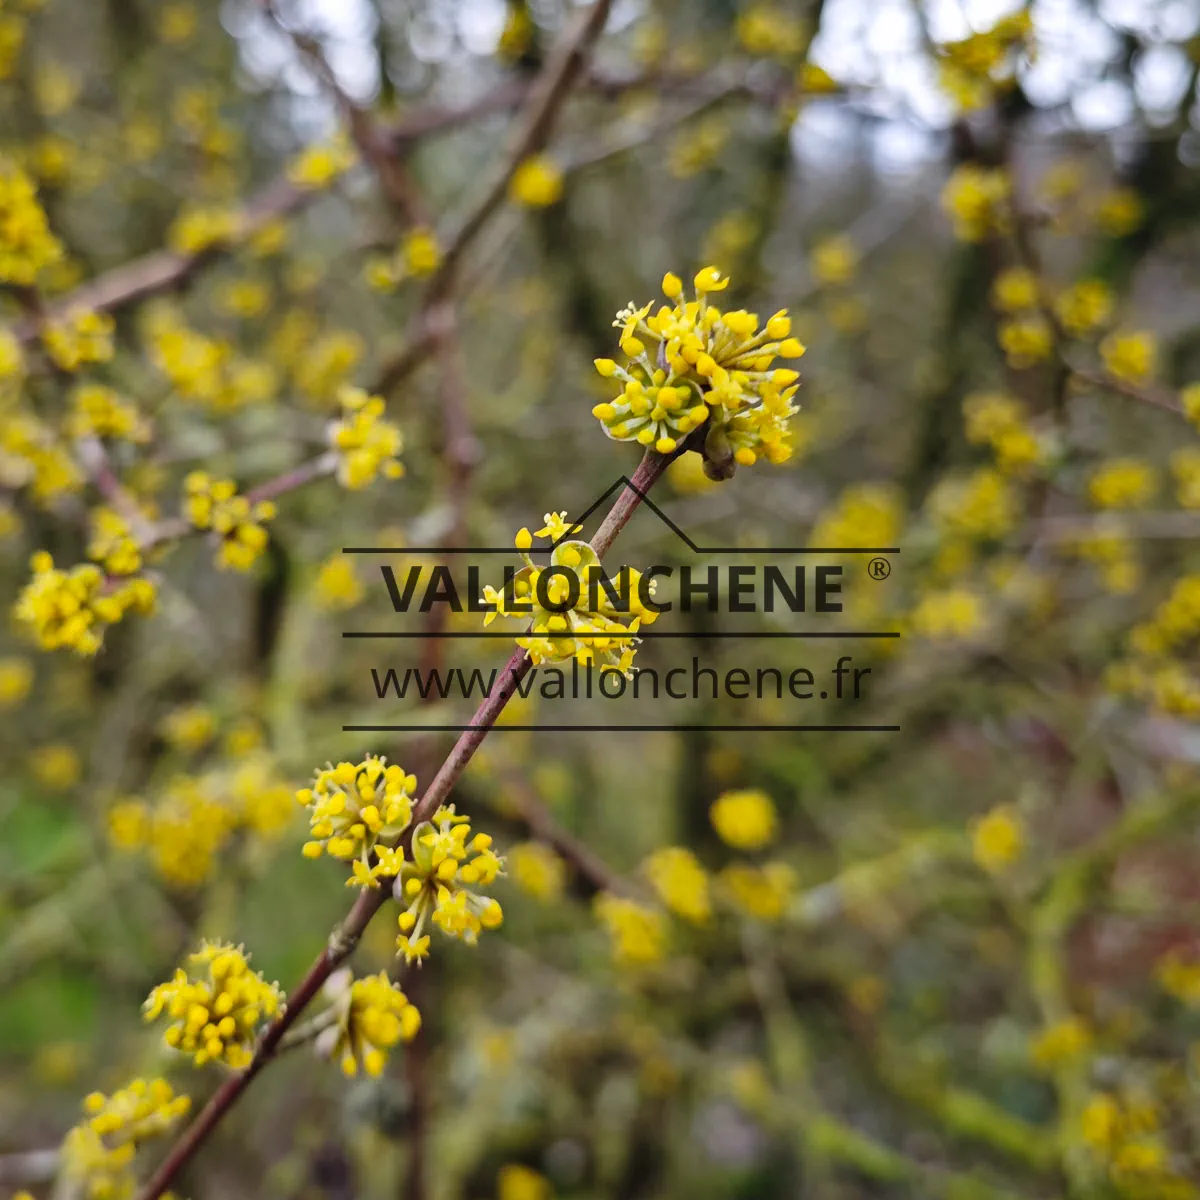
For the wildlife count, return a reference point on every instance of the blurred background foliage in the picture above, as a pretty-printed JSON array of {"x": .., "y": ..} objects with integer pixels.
[{"x": 958, "y": 961}]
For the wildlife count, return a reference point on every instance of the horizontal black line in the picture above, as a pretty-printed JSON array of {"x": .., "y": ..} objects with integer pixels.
[
  {"x": 622, "y": 728},
  {"x": 618, "y": 637},
  {"x": 699, "y": 549}
]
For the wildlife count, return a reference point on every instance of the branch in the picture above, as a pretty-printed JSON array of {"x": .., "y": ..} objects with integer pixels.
[{"x": 346, "y": 936}]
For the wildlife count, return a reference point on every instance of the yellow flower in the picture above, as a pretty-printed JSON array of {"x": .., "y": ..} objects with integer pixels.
[
  {"x": 56, "y": 766},
  {"x": 357, "y": 808},
  {"x": 834, "y": 261},
  {"x": 744, "y": 820},
  {"x": 16, "y": 678},
  {"x": 951, "y": 614},
  {"x": 338, "y": 587},
  {"x": 710, "y": 368},
  {"x": 638, "y": 933},
  {"x": 71, "y": 609},
  {"x": 96, "y": 1159},
  {"x": 865, "y": 514},
  {"x": 177, "y": 22},
  {"x": 442, "y": 883},
  {"x": 215, "y": 1010},
  {"x": 199, "y": 228},
  {"x": 1130, "y": 357},
  {"x": 239, "y": 525},
  {"x": 366, "y": 444},
  {"x": 80, "y": 337},
  {"x": 324, "y": 363},
  {"x": 189, "y": 728},
  {"x": 1179, "y": 977},
  {"x": 981, "y": 506},
  {"x": 26, "y": 243},
  {"x": 998, "y": 839},
  {"x": 537, "y": 182},
  {"x": 681, "y": 883},
  {"x": 1190, "y": 399},
  {"x": 1123, "y": 483},
  {"x": 1026, "y": 340},
  {"x": 537, "y": 870},
  {"x": 515, "y": 1181},
  {"x": 1119, "y": 212},
  {"x": 759, "y": 892},
  {"x": 1015, "y": 290},
  {"x": 1060, "y": 1043},
  {"x": 318, "y": 166},
  {"x": 559, "y": 615},
  {"x": 372, "y": 1016},
  {"x": 977, "y": 198},
  {"x": 1085, "y": 306}
]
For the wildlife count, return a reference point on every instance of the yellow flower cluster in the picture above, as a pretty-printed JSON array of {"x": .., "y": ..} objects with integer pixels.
[
  {"x": 770, "y": 31},
  {"x": 638, "y": 933},
  {"x": 318, "y": 166},
  {"x": 31, "y": 455},
  {"x": 759, "y": 892},
  {"x": 1123, "y": 1132},
  {"x": 419, "y": 256},
  {"x": 199, "y": 228},
  {"x": 537, "y": 870},
  {"x": 998, "y": 838},
  {"x": 366, "y": 445},
  {"x": 214, "y": 504},
  {"x": 865, "y": 514},
  {"x": 356, "y": 810},
  {"x": 834, "y": 261},
  {"x": 72, "y": 609},
  {"x": 184, "y": 832},
  {"x": 1109, "y": 547},
  {"x": 1185, "y": 466},
  {"x": 537, "y": 182},
  {"x": 1123, "y": 483},
  {"x": 1130, "y": 357},
  {"x": 215, "y": 1008},
  {"x": 438, "y": 885},
  {"x": 975, "y": 69},
  {"x": 681, "y": 883},
  {"x": 1002, "y": 422},
  {"x": 1179, "y": 977},
  {"x": 16, "y": 678},
  {"x": 112, "y": 544},
  {"x": 337, "y": 586},
  {"x": 206, "y": 370},
  {"x": 97, "y": 1154},
  {"x": 79, "y": 337},
  {"x": 1026, "y": 340},
  {"x": 26, "y": 243},
  {"x": 710, "y": 368},
  {"x": 556, "y": 601},
  {"x": 951, "y": 614},
  {"x": 100, "y": 412},
  {"x": 1060, "y": 1043},
  {"x": 1016, "y": 290},
  {"x": 1084, "y": 306},
  {"x": 981, "y": 506},
  {"x": 371, "y": 1015},
  {"x": 697, "y": 146},
  {"x": 1119, "y": 212},
  {"x": 325, "y": 363},
  {"x": 744, "y": 819},
  {"x": 977, "y": 199}
]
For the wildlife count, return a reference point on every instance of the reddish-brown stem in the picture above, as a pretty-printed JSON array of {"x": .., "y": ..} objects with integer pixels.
[{"x": 345, "y": 937}]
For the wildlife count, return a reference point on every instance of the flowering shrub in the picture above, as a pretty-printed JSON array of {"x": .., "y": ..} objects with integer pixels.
[{"x": 302, "y": 312}]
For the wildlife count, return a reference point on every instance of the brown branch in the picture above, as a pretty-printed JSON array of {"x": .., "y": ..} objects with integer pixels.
[
  {"x": 1158, "y": 397},
  {"x": 346, "y": 936},
  {"x": 566, "y": 62}
]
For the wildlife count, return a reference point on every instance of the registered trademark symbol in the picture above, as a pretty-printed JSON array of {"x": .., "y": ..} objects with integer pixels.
[{"x": 879, "y": 568}]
